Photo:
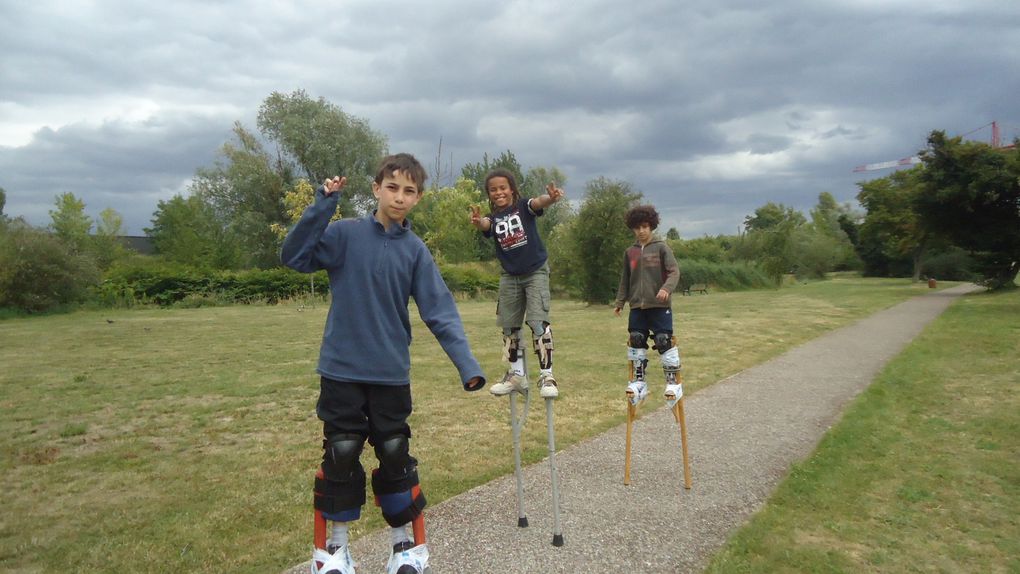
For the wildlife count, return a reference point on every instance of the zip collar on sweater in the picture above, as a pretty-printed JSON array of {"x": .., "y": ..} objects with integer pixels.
[{"x": 394, "y": 230}]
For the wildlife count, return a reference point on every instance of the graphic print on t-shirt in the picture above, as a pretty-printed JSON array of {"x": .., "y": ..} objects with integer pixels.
[{"x": 509, "y": 231}]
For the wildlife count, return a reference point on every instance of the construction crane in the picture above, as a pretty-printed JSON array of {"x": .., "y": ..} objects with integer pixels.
[{"x": 913, "y": 160}]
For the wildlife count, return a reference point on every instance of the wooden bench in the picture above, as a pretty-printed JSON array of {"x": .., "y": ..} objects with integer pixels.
[{"x": 695, "y": 288}]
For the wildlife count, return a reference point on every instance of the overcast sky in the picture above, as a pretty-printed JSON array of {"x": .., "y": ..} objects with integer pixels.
[{"x": 711, "y": 109}]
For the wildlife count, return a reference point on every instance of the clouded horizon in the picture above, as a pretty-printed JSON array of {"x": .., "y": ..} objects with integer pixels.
[{"x": 709, "y": 110}]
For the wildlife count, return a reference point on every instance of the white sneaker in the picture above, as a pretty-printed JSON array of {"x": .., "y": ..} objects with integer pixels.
[
  {"x": 511, "y": 382},
  {"x": 547, "y": 386},
  {"x": 408, "y": 559},
  {"x": 636, "y": 392},
  {"x": 340, "y": 562},
  {"x": 673, "y": 393}
]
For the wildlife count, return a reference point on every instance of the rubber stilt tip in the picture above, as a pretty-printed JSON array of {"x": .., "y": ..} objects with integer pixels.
[
  {"x": 557, "y": 540},
  {"x": 522, "y": 522}
]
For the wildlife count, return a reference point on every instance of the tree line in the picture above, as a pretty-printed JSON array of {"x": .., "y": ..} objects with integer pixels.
[{"x": 955, "y": 215}]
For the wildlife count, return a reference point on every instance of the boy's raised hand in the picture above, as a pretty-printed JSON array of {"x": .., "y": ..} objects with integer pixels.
[
  {"x": 555, "y": 193},
  {"x": 476, "y": 216},
  {"x": 331, "y": 186}
]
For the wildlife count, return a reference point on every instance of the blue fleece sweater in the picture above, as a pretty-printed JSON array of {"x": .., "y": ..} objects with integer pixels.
[{"x": 372, "y": 274}]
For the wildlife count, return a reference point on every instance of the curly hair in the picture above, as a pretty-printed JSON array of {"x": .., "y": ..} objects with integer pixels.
[{"x": 642, "y": 214}]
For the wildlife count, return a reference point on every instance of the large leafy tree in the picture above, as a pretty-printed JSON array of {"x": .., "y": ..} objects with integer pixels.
[
  {"x": 772, "y": 215},
  {"x": 187, "y": 230},
  {"x": 772, "y": 238},
  {"x": 828, "y": 218},
  {"x": 106, "y": 245},
  {"x": 506, "y": 160},
  {"x": 535, "y": 184},
  {"x": 441, "y": 219},
  {"x": 246, "y": 191},
  {"x": 972, "y": 195},
  {"x": 321, "y": 141},
  {"x": 3, "y": 202},
  {"x": 70, "y": 223},
  {"x": 891, "y": 235},
  {"x": 601, "y": 236},
  {"x": 251, "y": 191}
]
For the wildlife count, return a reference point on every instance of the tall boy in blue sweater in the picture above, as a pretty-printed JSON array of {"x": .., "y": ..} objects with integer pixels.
[{"x": 375, "y": 264}]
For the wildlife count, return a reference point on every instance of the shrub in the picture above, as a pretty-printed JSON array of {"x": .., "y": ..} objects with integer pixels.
[
  {"x": 724, "y": 276},
  {"x": 469, "y": 278},
  {"x": 954, "y": 264},
  {"x": 39, "y": 273},
  {"x": 154, "y": 281}
]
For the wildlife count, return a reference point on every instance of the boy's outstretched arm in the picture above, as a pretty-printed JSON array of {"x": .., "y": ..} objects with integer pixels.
[
  {"x": 552, "y": 195},
  {"x": 302, "y": 249},
  {"x": 439, "y": 313}
]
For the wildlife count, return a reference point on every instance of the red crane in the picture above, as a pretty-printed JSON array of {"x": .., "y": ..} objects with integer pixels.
[{"x": 912, "y": 160}]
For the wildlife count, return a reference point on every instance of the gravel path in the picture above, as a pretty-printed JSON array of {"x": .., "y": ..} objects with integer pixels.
[{"x": 744, "y": 433}]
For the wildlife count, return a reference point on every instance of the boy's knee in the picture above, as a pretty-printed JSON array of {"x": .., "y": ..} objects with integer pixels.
[
  {"x": 395, "y": 460},
  {"x": 638, "y": 340},
  {"x": 663, "y": 342},
  {"x": 340, "y": 490},
  {"x": 341, "y": 456}
]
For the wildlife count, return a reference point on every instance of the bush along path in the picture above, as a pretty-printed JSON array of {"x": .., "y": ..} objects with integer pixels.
[{"x": 744, "y": 434}]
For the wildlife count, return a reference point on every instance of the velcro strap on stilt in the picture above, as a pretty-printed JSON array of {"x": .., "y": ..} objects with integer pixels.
[
  {"x": 401, "y": 500},
  {"x": 407, "y": 514},
  {"x": 333, "y": 497}
]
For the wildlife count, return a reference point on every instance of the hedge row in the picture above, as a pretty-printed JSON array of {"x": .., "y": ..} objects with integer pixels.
[
  {"x": 168, "y": 284},
  {"x": 724, "y": 276},
  {"x": 171, "y": 284}
]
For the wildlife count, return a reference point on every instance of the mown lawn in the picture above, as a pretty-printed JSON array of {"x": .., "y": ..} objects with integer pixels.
[
  {"x": 923, "y": 472},
  {"x": 186, "y": 440}
]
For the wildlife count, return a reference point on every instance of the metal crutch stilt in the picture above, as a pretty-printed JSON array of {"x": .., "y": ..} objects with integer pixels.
[
  {"x": 554, "y": 479},
  {"x": 516, "y": 425}
]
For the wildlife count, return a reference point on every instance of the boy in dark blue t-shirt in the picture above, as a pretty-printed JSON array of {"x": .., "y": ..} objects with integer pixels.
[{"x": 524, "y": 282}]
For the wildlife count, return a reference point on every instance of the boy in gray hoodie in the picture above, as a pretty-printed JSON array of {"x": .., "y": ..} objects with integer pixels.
[{"x": 650, "y": 275}]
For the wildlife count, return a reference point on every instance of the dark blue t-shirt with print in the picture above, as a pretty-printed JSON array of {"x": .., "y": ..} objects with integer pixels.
[{"x": 518, "y": 246}]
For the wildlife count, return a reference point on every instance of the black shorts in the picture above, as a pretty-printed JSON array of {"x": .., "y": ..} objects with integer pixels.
[
  {"x": 373, "y": 411},
  {"x": 655, "y": 320}
]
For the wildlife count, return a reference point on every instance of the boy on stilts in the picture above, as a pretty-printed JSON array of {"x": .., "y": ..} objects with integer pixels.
[
  {"x": 650, "y": 275},
  {"x": 375, "y": 265},
  {"x": 524, "y": 282}
]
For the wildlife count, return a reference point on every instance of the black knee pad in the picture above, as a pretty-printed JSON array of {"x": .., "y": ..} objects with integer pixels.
[
  {"x": 395, "y": 460},
  {"x": 638, "y": 340},
  {"x": 342, "y": 486},
  {"x": 663, "y": 342},
  {"x": 395, "y": 482},
  {"x": 341, "y": 457}
]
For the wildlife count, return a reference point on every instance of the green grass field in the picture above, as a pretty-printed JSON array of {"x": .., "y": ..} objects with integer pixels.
[
  {"x": 186, "y": 440},
  {"x": 923, "y": 472}
]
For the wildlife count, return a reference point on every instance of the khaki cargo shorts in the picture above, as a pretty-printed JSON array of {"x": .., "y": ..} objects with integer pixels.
[{"x": 523, "y": 294}]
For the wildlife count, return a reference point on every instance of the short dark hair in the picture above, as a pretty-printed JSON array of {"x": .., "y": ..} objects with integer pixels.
[
  {"x": 406, "y": 164},
  {"x": 642, "y": 214},
  {"x": 509, "y": 175}
]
